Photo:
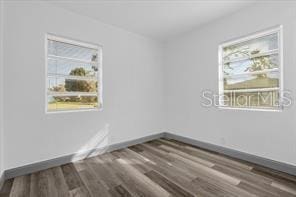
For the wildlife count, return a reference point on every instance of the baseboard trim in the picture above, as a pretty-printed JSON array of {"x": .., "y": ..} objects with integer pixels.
[
  {"x": 136, "y": 141},
  {"x": 276, "y": 165},
  {"x": 35, "y": 167}
]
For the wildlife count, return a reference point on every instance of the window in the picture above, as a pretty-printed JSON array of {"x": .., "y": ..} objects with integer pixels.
[
  {"x": 74, "y": 72},
  {"x": 250, "y": 74}
]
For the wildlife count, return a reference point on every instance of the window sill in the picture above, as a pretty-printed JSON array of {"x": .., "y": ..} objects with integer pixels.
[{"x": 280, "y": 109}]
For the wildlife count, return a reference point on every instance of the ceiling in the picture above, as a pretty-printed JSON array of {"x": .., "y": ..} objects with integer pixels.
[{"x": 157, "y": 19}]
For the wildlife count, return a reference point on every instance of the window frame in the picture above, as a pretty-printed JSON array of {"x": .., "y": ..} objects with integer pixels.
[
  {"x": 50, "y": 36},
  {"x": 276, "y": 29}
]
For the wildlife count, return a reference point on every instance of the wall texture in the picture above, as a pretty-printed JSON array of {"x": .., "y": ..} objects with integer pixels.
[
  {"x": 1, "y": 88},
  {"x": 132, "y": 78},
  {"x": 191, "y": 66}
]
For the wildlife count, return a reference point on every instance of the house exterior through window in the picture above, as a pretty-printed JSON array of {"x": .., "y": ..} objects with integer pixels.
[
  {"x": 250, "y": 71},
  {"x": 74, "y": 75}
]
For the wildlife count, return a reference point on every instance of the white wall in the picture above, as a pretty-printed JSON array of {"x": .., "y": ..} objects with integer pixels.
[
  {"x": 192, "y": 66},
  {"x": 1, "y": 88},
  {"x": 133, "y": 86},
  {"x": 132, "y": 77}
]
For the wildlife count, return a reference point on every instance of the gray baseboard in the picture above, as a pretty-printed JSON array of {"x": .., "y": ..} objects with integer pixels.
[
  {"x": 31, "y": 168},
  {"x": 276, "y": 165},
  {"x": 136, "y": 141},
  {"x": 35, "y": 167}
]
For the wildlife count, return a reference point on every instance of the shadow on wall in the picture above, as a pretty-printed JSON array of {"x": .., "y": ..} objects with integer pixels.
[{"x": 97, "y": 144}]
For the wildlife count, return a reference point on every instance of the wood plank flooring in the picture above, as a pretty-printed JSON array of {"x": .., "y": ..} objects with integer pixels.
[{"x": 157, "y": 168}]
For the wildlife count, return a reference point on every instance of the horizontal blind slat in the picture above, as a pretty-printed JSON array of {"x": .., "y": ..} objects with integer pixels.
[
  {"x": 57, "y": 57},
  {"x": 50, "y": 93},
  {"x": 251, "y": 90},
  {"x": 271, "y": 52},
  {"x": 72, "y": 77},
  {"x": 253, "y": 73}
]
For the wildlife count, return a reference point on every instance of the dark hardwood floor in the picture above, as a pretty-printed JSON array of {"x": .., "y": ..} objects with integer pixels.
[{"x": 157, "y": 168}]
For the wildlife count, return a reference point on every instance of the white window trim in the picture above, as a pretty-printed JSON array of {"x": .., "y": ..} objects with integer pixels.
[
  {"x": 277, "y": 29},
  {"x": 99, "y": 77}
]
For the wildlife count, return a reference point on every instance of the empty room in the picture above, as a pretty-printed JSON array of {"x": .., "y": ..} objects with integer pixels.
[{"x": 147, "y": 98}]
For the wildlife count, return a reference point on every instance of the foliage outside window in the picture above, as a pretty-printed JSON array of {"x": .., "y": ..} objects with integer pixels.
[
  {"x": 250, "y": 71},
  {"x": 73, "y": 75}
]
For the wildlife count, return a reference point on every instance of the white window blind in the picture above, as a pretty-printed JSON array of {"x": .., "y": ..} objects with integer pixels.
[
  {"x": 250, "y": 71},
  {"x": 73, "y": 75}
]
